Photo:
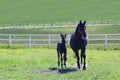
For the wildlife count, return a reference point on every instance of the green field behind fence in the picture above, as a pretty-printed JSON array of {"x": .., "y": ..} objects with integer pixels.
[
  {"x": 67, "y": 30},
  {"x": 22, "y": 12}
]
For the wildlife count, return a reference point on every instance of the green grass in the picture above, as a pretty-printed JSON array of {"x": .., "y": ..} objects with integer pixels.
[
  {"x": 36, "y": 11},
  {"x": 37, "y": 64}
]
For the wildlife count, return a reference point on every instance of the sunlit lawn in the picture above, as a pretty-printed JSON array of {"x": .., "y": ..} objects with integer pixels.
[{"x": 41, "y": 64}]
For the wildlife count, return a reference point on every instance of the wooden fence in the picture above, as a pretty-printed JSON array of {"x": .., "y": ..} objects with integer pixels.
[
  {"x": 52, "y": 24},
  {"x": 31, "y": 40}
]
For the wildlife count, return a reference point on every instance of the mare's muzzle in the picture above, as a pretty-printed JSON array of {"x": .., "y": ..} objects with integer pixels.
[{"x": 83, "y": 34}]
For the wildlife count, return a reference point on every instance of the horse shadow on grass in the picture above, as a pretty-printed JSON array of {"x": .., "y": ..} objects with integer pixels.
[{"x": 63, "y": 71}]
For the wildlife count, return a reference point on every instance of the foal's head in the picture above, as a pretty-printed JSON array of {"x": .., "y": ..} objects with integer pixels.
[
  {"x": 63, "y": 37},
  {"x": 81, "y": 29}
]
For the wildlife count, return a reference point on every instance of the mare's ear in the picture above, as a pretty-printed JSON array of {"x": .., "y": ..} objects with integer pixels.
[
  {"x": 80, "y": 22},
  {"x": 61, "y": 35},
  {"x": 84, "y": 22}
]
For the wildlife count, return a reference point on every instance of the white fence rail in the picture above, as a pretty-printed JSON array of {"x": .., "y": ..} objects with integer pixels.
[{"x": 52, "y": 39}]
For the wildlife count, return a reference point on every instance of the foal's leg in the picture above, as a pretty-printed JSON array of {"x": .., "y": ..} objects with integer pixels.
[
  {"x": 84, "y": 56},
  {"x": 78, "y": 58},
  {"x": 61, "y": 60},
  {"x": 65, "y": 58},
  {"x": 58, "y": 58}
]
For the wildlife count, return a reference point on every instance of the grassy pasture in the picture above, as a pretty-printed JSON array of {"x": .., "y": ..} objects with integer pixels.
[
  {"x": 68, "y": 30},
  {"x": 35, "y": 11},
  {"x": 41, "y": 64}
]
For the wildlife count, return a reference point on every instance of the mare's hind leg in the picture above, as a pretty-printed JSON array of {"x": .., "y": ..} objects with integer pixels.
[
  {"x": 83, "y": 54},
  {"x": 81, "y": 57},
  {"x": 78, "y": 58},
  {"x": 58, "y": 58}
]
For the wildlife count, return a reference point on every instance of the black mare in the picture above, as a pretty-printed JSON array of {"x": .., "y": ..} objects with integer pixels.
[
  {"x": 61, "y": 49},
  {"x": 78, "y": 42}
]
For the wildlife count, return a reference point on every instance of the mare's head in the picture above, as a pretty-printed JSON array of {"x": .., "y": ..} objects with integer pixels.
[
  {"x": 81, "y": 29},
  {"x": 63, "y": 37}
]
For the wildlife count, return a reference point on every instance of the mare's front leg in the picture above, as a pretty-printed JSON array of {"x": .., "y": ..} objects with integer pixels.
[
  {"x": 78, "y": 58},
  {"x": 83, "y": 54},
  {"x": 81, "y": 57}
]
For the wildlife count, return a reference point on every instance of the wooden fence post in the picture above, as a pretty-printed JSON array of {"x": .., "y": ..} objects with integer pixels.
[
  {"x": 106, "y": 41},
  {"x": 30, "y": 41},
  {"x": 10, "y": 40},
  {"x": 49, "y": 40},
  {"x": 68, "y": 39}
]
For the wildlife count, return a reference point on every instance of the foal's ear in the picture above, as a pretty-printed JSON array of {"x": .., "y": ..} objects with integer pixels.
[
  {"x": 65, "y": 35},
  {"x": 80, "y": 22}
]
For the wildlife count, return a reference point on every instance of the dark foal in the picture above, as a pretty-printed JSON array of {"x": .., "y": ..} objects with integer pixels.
[
  {"x": 78, "y": 42},
  {"x": 61, "y": 49}
]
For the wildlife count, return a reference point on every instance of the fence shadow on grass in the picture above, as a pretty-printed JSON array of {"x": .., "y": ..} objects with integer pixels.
[{"x": 63, "y": 71}]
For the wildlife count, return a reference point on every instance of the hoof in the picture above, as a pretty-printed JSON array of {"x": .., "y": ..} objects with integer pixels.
[
  {"x": 79, "y": 67},
  {"x": 58, "y": 65},
  {"x": 84, "y": 67},
  {"x": 65, "y": 65}
]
